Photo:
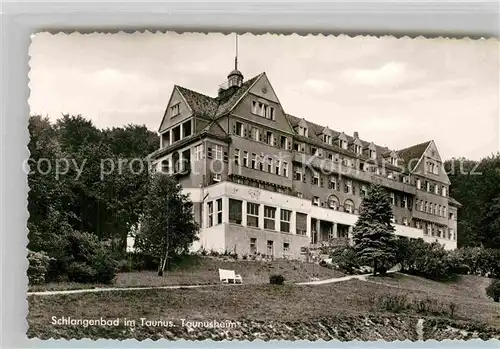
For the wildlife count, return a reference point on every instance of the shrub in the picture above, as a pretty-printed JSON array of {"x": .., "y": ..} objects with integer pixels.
[
  {"x": 345, "y": 258},
  {"x": 277, "y": 279},
  {"x": 493, "y": 290},
  {"x": 81, "y": 272},
  {"x": 38, "y": 266}
]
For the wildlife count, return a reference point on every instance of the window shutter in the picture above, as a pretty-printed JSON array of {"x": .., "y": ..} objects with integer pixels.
[
  {"x": 275, "y": 141},
  {"x": 260, "y": 135},
  {"x": 321, "y": 181},
  {"x": 245, "y": 133},
  {"x": 234, "y": 128},
  {"x": 209, "y": 152},
  {"x": 225, "y": 156},
  {"x": 304, "y": 177}
]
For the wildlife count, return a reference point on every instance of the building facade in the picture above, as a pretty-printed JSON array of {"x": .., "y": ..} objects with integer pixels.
[{"x": 263, "y": 181}]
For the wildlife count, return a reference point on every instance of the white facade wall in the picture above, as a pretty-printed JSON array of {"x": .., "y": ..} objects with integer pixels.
[{"x": 213, "y": 237}]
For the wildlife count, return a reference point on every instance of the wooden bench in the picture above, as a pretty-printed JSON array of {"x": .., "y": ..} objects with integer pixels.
[{"x": 229, "y": 277}]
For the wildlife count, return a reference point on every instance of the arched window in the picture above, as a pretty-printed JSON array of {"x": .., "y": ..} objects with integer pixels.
[
  {"x": 349, "y": 206},
  {"x": 333, "y": 202},
  {"x": 165, "y": 166}
]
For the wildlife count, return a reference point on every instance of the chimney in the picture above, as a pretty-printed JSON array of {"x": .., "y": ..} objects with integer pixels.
[{"x": 356, "y": 134}]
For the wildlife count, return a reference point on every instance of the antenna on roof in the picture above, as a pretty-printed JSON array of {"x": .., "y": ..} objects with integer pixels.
[{"x": 236, "y": 53}]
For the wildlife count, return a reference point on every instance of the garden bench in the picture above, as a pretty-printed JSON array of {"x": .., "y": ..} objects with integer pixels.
[{"x": 229, "y": 276}]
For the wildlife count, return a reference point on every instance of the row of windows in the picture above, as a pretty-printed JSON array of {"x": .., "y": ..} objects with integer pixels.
[
  {"x": 429, "y": 207},
  {"x": 285, "y": 250},
  {"x": 259, "y": 134},
  {"x": 269, "y": 223},
  {"x": 263, "y": 109},
  {"x": 432, "y": 187},
  {"x": 257, "y": 162}
]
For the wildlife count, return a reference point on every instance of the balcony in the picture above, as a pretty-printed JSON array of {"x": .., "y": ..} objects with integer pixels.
[{"x": 327, "y": 166}]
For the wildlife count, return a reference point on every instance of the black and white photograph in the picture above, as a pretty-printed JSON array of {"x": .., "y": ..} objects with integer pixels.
[{"x": 278, "y": 187}]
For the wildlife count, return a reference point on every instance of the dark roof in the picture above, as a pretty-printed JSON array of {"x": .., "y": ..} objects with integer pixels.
[
  {"x": 315, "y": 131},
  {"x": 413, "y": 152},
  {"x": 454, "y": 202},
  {"x": 210, "y": 107},
  {"x": 201, "y": 104}
]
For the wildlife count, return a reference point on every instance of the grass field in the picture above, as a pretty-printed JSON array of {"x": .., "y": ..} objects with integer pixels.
[
  {"x": 288, "y": 303},
  {"x": 204, "y": 270}
]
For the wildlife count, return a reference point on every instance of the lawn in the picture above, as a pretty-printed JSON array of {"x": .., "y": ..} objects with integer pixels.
[
  {"x": 283, "y": 304},
  {"x": 204, "y": 271}
]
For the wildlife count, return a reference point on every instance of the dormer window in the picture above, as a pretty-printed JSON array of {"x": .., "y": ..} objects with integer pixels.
[
  {"x": 303, "y": 131},
  {"x": 327, "y": 139},
  {"x": 357, "y": 149},
  {"x": 373, "y": 154},
  {"x": 343, "y": 144},
  {"x": 175, "y": 110},
  {"x": 394, "y": 161}
]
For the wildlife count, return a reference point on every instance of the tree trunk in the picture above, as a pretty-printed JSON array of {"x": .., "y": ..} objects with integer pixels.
[{"x": 374, "y": 267}]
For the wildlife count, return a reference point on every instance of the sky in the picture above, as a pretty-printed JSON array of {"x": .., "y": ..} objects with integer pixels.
[{"x": 394, "y": 92}]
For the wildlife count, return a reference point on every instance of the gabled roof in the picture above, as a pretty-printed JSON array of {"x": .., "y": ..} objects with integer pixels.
[
  {"x": 210, "y": 107},
  {"x": 454, "y": 202},
  {"x": 413, "y": 152},
  {"x": 200, "y": 104}
]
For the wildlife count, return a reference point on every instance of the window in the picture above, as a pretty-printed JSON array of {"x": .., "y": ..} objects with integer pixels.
[
  {"x": 216, "y": 177},
  {"x": 165, "y": 166},
  {"x": 422, "y": 206},
  {"x": 405, "y": 221},
  {"x": 426, "y": 207},
  {"x": 417, "y": 224},
  {"x": 270, "y": 165},
  {"x": 373, "y": 154},
  {"x": 285, "y": 169},
  {"x": 452, "y": 234},
  {"x": 298, "y": 174},
  {"x": 252, "y": 214},
  {"x": 390, "y": 175},
  {"x": 315, "y": 180},
  {"x": 440, "y": 211},
  {"x": 303, "y": 131},
  {"x": 436, "y": 189},
  {"x": 286, "y": 248},
  {"x": 269, "y": 138},
  {"x": 435, "y": 209},
  {"x": 393, "y": 199},
  {"x": 343, "y": 144},
  {"x": 333, "y": 202},
  {"x": 429, "y": 229},
  {"x": 451, "y": 216},
  {"x": 278, "y": 167},
  {"x": 327, "y": 139},
  {"x": 269, "y": 217},
  {"x": 210, "y": 213},
  {"x": 245, "y": 158},
  {"x": 270, "y": 248},
  {"x": 237, "y": 160},
  {"x": 284, "y": 142},
  {"x": 301, "y": 223},
  {"x": 285, "y": 220},
  {"x": 349, "y": 206},
  {"x": 300, "y": 195},
  {"x": 427, "y": 186},
  {"x": 253, "y": 246},
  {"x": 364, "y": 190},
  {"x": 332, "y": 184},
  {"x": 174, "y": 110},
  {"x": 218, "y": 152},
  {"x": 404, "y": 202},
  {"x": 254, "y": 161},
  {"x": 394, "y": 161},
  {"x": 357, "y": 149},
  {"x": 238, "y": 129},
  {"x": 219, "y": 211},
  {"x": 255, "y": 134},
  {"x": 316, "y": 201},
  {"x": 198, "y": 152},
  {"x": 443, "y": 190},
  {"x": 348, "y": 186},
  {"x": 235, "y": 211},
  {"x": 419, "y": 184}
]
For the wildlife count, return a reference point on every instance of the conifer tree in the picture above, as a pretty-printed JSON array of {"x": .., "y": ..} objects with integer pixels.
[{"x": 373, "y": 234}]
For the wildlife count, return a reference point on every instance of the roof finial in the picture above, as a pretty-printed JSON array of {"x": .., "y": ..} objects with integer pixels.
[{"x": 236, "y": 55}]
